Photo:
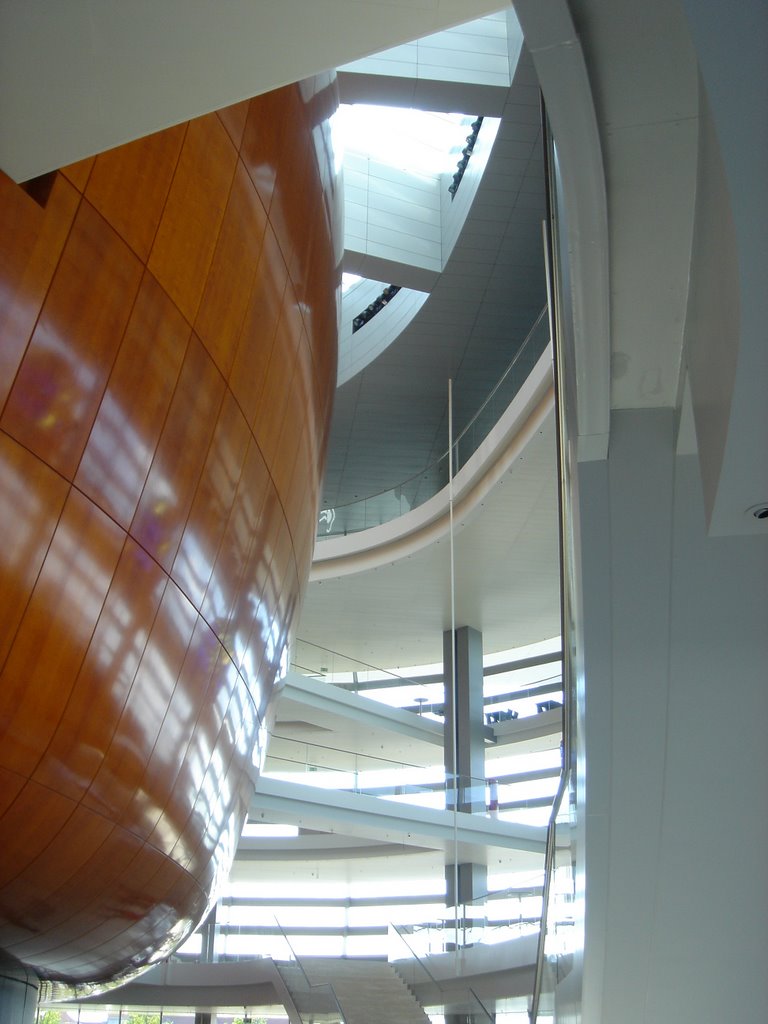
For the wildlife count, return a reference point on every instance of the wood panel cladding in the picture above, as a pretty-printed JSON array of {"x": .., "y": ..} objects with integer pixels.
[{"x": 167, "y": 366}]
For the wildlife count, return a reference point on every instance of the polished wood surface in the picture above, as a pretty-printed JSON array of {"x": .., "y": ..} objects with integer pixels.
[{"x": 167, "y": 366}]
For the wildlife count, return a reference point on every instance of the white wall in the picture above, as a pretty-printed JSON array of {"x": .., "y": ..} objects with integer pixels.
[
  {"x": 674, "y": 754},
  {"x": 392, "y": 213},
  {"x": 728, "y": 308}
]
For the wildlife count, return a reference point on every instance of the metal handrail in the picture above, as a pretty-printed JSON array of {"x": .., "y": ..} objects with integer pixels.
[
  {"x": 566, "y": 576},
  {"x": 466, "y": 784},
  {"x": 494, "y": 390},
  {"x": 507, "y": 778},
  {"x": 511, "y": 892},
  {"x": 453, "y": 450},
  {"x": 390, "y": 678},
  {"x": 399, "y": 932},
  {"x": 327, "y": 985},
  {"x": 549, "y": 861}
]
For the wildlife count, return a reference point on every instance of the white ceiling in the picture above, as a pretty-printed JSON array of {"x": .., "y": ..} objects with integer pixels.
[{"x": 506, "y": 571}]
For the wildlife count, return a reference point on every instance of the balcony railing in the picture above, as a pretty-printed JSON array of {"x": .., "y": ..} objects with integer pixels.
[
  {"x": 413, "y": 492},
  {"x": 515, "y": 798}
]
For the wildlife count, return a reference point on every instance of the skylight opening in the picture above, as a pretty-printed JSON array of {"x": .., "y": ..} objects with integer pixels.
[
  {"x": 257, "y": 830},
  {"x": 348, "y": 281},
  {"x": 419, "y": 141}
]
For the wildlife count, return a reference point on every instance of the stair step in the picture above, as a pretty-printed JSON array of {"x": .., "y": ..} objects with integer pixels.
[{"x": 368, "y": 991}]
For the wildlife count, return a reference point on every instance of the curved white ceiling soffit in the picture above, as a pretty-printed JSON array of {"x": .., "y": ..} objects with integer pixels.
[
  {"x": 336, "y": 557},
  {"x": 79, "y": 78},
  {"x": 357, "y": 349},
  {"x": 557, "y": 55}
]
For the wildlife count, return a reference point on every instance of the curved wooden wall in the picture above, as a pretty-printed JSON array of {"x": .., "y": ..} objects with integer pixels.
[{"x": 167, "y": 365}]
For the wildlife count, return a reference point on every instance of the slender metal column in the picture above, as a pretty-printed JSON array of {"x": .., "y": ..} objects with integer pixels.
[
  {"x": 468, "y": 740},
  {"x": 464, "y": 747},
  {"x": 208, "y": 938}
]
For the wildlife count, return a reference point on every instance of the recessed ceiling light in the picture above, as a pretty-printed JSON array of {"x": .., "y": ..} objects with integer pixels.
[{"x": 759, "y": 511}]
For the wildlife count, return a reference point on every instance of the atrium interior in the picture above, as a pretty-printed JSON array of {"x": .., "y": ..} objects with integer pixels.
[{"x": 515, "y": 765}]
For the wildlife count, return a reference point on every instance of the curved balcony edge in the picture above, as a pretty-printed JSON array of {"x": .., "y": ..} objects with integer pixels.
[{"x": 379, "y": 545}]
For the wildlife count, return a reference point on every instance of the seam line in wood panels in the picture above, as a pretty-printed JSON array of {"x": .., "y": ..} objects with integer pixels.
[
  {"x": 165, "y": 203},
  {"x": 120, "y": 343},
  {"x": 47, "y": 547},
  {"x": 49, "y": 286}
]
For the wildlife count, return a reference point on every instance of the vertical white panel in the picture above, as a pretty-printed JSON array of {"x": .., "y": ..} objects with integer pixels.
[
  {"x": 730, "y": 407},
  {"x": 401, "y": 221},
  {"x": 676, "y": 763}
]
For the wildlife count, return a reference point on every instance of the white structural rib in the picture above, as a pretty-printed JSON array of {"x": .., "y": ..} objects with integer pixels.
[
  {"x": 561, "y": 68},
  {"x": 326, "y": 699},
  {"x": 385, "y": 820},
  {"x": 305, "y": 699}
]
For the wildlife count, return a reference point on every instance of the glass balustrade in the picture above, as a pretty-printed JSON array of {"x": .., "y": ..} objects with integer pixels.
[
  {"x": 397, "y": 689},
  {"x": 409, "y": 494},
  {"x": 349, "y": 921},
  {"x": 315, "y": 1001},
  {"x": 478, "y": 925},
  {"x": 522, "y": 797},
  {"x": 510, "y": 692},
  {"x": 560, "y": 937},
  {"x": 94, "y": 1014},
  {"x": 354, "y": 926},
  {"x": 443, "y": 993}
]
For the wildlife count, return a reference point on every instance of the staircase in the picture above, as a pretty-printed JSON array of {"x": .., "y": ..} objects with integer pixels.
[{"x": 367, "y": 991}]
